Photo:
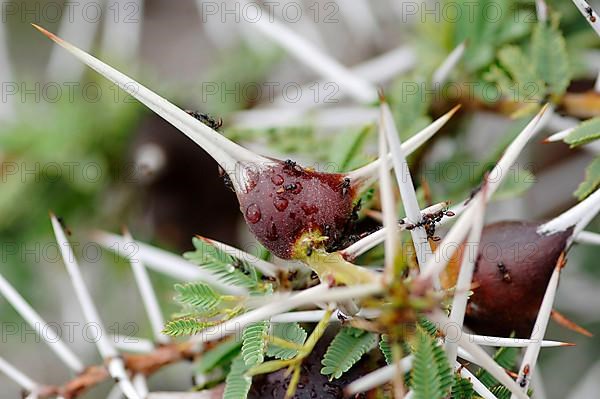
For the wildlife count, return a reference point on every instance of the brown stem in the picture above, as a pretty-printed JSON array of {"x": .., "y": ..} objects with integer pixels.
[{"x": 145, "y": 364}]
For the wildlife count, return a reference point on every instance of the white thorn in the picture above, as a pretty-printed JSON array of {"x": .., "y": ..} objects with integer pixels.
[
  {"x": 579, "y": 216},
  {"x": 405, "y": 184},
  {"x": 589, "y": 14},
  {"x": 317, "y": 294},
  {"x": 368, "y": 173},
  {"x": 121, "y": 32},
  {"x": 17, "y": 376},
  {"x": 376, "y": 70},
  {"x": 43, "y": 330},
  {"x": 314, "y": 58},
  {"x": 106, "y": 349},
  {"x": 165, "y": 262},
  {"x": 7, "y": 110},
  {"x": 587, "y": 237},
  {"x": 146, "y": 290},
  {"x": 73, "y": 26},
  {"x": 376, "y": 238},
  {"x": 478, "y": 386},
  {"x": 378, "y": 377},
  {"x": 559, "y": 136},
  {"x": 541, "y": 10},
  {"x": 227, "y": 154},
  {"x": 440, "y": 76},
  {"x": 132, "y": 344},
  {"x": 481, "y": 357},
  {"x": 265, "y": 267},
  {"x": 539, "y": 330},
  {"x": 387, "y": 207},
  {"x": 465, "y": 275}
]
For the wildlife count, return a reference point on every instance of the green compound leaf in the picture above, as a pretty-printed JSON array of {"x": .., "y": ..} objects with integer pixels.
[
  {"x": 386, "y": 349},
  {"x": 501, "y": 392},
  {"x": 228, "y": 268},
  {"x": 431, "y": 375},
  {"x": 586, "y": 132},
  {"x": 291, "y": 332},
  {"x": 591, "y": 182},
  {"x": 220, "y": 354},
  {"x": 254, "y": 343},
  {"x": 550, "y": 58},
  {"x": 462, "y": 388},
  {"x": 348, "y": 346},
  {"x": 186, "y": 326},
  {"x": 506, "y": 357},
  {"x": 237, "y": 384},
  {"x": 203, "y": 298}
]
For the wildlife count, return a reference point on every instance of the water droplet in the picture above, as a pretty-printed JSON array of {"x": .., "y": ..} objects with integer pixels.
[
  {"x": 253, "y": 213},
  {"x": 280, "y": 203},
  {"x": 309, "y": 209},
  {"x": 230, "y": 268},
  {"x": 272, "y": 232},
  {"x": 277, "y": 180}
]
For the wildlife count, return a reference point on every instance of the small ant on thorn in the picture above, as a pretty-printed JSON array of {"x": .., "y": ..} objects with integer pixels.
[
  {"x": 345, "y": 186},
  {"x": 209, "y": 121},
  {"x": 226, "y": 179},
  {"x": 523, "y": 381},
  {"x": 62, "y": 223},
  {"x": 429, "y": 221},
  {"x": 590, "y": 14}
]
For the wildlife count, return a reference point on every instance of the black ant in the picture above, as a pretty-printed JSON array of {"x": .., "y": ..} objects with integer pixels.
[
  {"x": 341, "y": 317},
  {"x": 345, "y": 186},
  {"x": 590, "y": 14},
  {"x": 62, "y": 223},
  {"x": 523, "y": 382},
  {"x": 209, "y": 121},
  {"x": 429, "y": 221},
  {"x": 505, "y": 274},
  {"x": 292, "y": 167},
  {"x": 226, "y": 179}
]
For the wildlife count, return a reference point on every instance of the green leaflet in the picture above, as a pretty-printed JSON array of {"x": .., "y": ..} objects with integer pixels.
[
  {"x": 531, "y": 76},
  {"x": 462, "y": 388},
  {"x": 237, "y": 384},
  {"x": 186, "y": 326},
  {"x": 592, "y": 180},
  {"x": 501, "y": 392},
  {"x": 386, "y": 349},
  {"x": 348, "y": 346},
  {"x": 203, "y": 298},
  {"x": 254, "y": 343},
  {"x": 506, "y": 357},
  {"x": 291, "y": 332},
  {"x": 586, "y": 132},
  {"x": 229, "y": 269},
  {"x": 428, "y": 326},
  {"x": 431, "y": 375},
  {"x": 217, "y": 355},
  {"x": 550, "y": 58},
  {"x": 444, "y": 370}
]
